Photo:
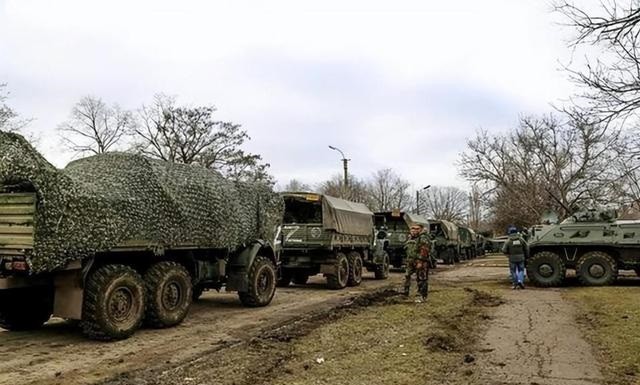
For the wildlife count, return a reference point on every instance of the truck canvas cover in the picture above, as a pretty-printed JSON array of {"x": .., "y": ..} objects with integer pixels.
[
  {"x": 346, "y": 217},
  {"x": 450, "y": 229},
  {"x": 410, "y": 218},
  {"x": 101, "y": 202}
]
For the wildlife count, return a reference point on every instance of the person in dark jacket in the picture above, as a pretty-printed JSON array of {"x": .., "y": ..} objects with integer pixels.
[{"x": 517, "y": 249}]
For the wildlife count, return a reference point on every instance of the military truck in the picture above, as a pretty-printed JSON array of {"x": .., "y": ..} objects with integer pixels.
[
  {"x": 446, "y": 240},
  {"x": 326, "y": 235},
  {"x": 117, "y": 239},
  {"x": 480, "y": 244},
  {"x": 467, "y": 242},
  {"x": 593, "y": 243},
  {"x": 396, "y": 225}
]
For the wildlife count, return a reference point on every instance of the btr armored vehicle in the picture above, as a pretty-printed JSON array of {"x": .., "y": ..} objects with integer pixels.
[
  {"x": 446, "y": 240},
  {"x": 331, "y": 236},
  {"x": 592, "y": 243},
  {"x": 396, "y": 225}
]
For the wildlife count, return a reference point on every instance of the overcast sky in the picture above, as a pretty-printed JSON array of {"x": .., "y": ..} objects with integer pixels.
[{"x": 399, "y": 84}]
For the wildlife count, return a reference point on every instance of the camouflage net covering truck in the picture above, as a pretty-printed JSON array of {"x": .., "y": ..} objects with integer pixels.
[
  {"x": 446, "y": 240},
  {"x": 396, "y": 226},
  {"x": 117, "y": 239},
  {"x": 592, "y": 243},
  {"x": 331, "y": 236}
]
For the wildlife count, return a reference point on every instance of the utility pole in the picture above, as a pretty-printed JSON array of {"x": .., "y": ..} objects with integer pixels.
[
  {"x": 345, "y": 166},
  {"x": 418, "y": 197}
]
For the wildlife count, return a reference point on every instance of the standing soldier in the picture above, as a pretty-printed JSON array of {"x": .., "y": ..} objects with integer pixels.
[
  {"x": 417, "y": 248},
  {"x": 517, "y": 249}
]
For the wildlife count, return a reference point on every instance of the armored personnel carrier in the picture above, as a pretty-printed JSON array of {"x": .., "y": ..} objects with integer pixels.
[{"x": 593, "y": 243}]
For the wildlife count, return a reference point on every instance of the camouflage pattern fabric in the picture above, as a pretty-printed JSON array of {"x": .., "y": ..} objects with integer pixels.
[{"x": 99, "y": 202}]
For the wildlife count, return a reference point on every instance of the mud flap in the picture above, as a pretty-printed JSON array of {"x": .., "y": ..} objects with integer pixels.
[
  {"x": 237, "y": 281},
  {"x": 68, "y": 297}
]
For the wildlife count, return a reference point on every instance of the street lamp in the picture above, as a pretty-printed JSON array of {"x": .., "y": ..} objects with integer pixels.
[
  {"x": 344, "y": 164},
  {"x": 418, "y": 197}
]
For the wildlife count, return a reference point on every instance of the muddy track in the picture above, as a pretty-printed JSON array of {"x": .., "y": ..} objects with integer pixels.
[{"x": 59, "y": 354}]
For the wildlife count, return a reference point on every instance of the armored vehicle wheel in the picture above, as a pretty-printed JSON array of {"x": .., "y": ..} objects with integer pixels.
[
  {"x": 300, "y": 278},
  {"x": 355, "y": 269},
  {"x": 382, "y": 271},
  {"x": 596, "y": 268},
  {"x": 25, "y": 309},
  {"x": 114, "y": 303},
  {"x": 339, "y": 280},
  {"x": 262, "y": 283},
  {"x": 285, "y": 278},
  {"x": 169, "y": 294},
  {"x": 546, "y": 269}
]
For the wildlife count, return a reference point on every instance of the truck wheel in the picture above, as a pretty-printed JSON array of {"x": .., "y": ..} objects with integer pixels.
[
  {"x": 339, "y": 280},
  {"x": 546, "y": 269},
  {"x": 169, "y": 294},
  {"x": 382, "y": 271},
  {"x": 262, "y": 283},
  {"x": 355, "y": 269},
  {"x": 596, "y": 268},
  {"x": 300, "y": 278},
  {"x": 25, "y": 309},
  {"x": 285, "y": 278},
  {"x": 114, "y": 303}
]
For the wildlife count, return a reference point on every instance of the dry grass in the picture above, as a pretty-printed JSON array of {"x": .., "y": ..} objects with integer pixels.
[{"x": 610, "y": 317}]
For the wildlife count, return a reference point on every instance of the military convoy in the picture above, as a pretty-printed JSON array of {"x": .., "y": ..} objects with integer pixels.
[
  {"x": 331, "y": 236},
  {"x": 593, "y": 243}
]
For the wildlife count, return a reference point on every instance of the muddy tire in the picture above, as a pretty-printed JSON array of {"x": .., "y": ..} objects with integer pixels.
[
  {"x": 300, "y": 278},
  {"x": 285, "y": 278},
  {"x": 546, "y": 269},
  {"x": 355, "y": 269},
  {"x": 339, "y": 280},
  {"x": 262, "y": 278},
  {"x": 382, "y": 271},
  {"x": 25, "y": 309},
  {"x": 169, "y": 294},
  {"x": 114, "y": 303},
  {"x": 596, "y": 268}
]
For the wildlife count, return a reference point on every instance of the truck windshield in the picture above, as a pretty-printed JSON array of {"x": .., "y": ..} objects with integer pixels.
[{"x": 302, "y": 211}]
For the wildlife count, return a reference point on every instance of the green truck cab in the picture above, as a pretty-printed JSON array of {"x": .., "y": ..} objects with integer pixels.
[
  {"x": 446, "y": 240},
  {"x": 467, "y": 243},
  {"x": 396, "y": 226},
  {"x": 326, "y": 235}
]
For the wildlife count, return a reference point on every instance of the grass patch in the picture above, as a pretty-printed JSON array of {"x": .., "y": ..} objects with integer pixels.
[
  {"x": 610, "y": 317},
  {"x": 397, "y": 343}
]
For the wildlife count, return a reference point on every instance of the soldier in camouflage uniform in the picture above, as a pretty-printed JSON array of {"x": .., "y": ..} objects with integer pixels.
[{"x": 417, "y": 248}]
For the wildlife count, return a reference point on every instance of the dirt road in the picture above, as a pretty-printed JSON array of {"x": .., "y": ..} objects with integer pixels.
[
  {"x": 533, "y": 337},
  {"x": 59, "y": 354}
]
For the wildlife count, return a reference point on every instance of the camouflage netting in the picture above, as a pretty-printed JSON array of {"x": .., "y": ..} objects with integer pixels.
[{"x": 99, "y": 202}]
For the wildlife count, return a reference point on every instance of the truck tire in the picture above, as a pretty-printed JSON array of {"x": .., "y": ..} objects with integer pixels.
[
  {"x": 300, "y": 278},
  {"x": 285, "y": 278},
  {"x": 382, "y": 271},
  {"x": 114, "y": 303},
  {"x": 25, "y": 309},
  {"x": 169, "y": 294},
  {"x": 339, "y": 280},
  {"x": 355, "y": 269},
  {"x": 596, "y": 268},
  {"x": 262, "y": 283},
  {"x": 546, "y": 269}
]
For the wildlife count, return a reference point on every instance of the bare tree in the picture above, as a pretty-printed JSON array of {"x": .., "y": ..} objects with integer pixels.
[
  {"x": 191, "y": 135},
  {"x": 445, "y": 202},
  {"x": 9, "y": 119},
  {"x": 388, "y": 191},
  {"x": 355, "y": 191},
  {"x": 94, "y": 127},
  {"x": 476, "y": 215},
  {"x": 612, "y": 78},
  {"x": 544, "y": 164},
  {"x": 295, "y": 185}
]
